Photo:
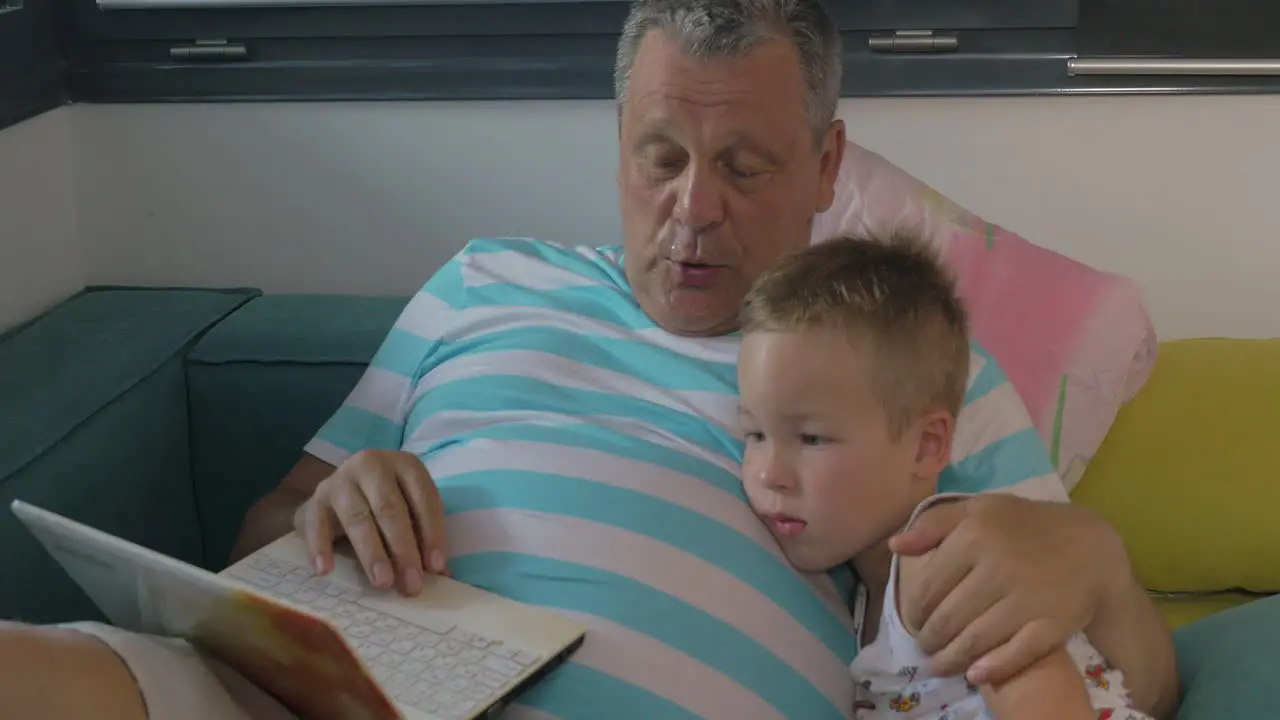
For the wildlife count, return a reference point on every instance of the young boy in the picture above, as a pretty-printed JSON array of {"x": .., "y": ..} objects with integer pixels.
[{"x": 853, "y": 367}]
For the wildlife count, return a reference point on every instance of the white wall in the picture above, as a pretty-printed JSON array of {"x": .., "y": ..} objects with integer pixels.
[
  {"x": 1177, "y": 191},
  {"x": 40, "y": 262}
]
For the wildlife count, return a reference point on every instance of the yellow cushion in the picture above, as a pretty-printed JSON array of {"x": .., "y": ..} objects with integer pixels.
[
  {"x": 1190, "y": 472},
  {"x": 1180, "y": 611}
]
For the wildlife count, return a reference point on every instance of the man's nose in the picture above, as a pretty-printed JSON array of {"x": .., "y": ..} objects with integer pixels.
[{"x": 700, "y": 206}]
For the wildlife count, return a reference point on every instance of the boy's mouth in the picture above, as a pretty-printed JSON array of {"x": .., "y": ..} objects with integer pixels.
[{"x": 784, "y": 525}]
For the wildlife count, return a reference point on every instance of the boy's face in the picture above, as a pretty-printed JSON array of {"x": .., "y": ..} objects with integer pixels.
[{"x": 821, "y": 468}]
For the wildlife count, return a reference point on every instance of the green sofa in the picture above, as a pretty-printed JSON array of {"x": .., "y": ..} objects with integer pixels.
[{"x": 160, "y": 414}]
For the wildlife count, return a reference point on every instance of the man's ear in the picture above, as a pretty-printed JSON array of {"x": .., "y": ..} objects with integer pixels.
[
  {"x": 933, "y": 443},
  {"x": 832, "y": 157}
]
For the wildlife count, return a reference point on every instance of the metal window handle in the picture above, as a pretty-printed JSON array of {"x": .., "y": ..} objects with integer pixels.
[{"x": 1171, "y": 66}]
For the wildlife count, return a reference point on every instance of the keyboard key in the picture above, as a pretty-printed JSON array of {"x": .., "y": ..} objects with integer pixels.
[
  {"x": 502, "y": 666},
  {"x": 505, "y": 651},
  {"x": 461, "y": 635},
  {"x": 524, "y": 657},
  {"x": 256, "y": 576},
  {"x": 408, "y": 632}
]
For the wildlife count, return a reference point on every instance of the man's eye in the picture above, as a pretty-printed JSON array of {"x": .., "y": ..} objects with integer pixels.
[
  {"x": 666, "y": 165},
  {"x": 754, "y": 436},
  {"x": 811, "y": 439}
]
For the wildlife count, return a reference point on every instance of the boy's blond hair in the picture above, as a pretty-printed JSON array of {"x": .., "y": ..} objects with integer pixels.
[{"x": 894, "y": 299}]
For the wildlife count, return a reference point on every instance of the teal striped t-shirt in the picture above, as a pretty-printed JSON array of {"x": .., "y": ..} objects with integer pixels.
[{"x": 588, "y": 462}]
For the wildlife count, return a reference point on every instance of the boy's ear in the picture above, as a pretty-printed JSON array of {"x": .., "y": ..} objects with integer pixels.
[{"x": 933, "y": 449}]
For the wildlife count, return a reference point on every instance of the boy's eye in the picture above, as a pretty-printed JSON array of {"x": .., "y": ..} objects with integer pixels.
[
  {"x": 754, "y": 436},
  {"x": 811, "y": 439}
]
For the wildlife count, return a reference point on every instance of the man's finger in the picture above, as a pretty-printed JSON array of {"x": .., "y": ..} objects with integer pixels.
[
  {"x": 929, "y": 529},
  {"x": 357, "y": 520},
  {"x": 978, "y": 638},
  {"x": 428, "y": 516},
  {"x": 1033, "y": 641},
  {"x": 947, "y": 568},
  {"x": 949, "y": 615},
  {"x": 313, "y": 522},
  {"x": 391, "y": 514}
]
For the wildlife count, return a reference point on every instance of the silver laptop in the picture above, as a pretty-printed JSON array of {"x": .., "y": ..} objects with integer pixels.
[{"x": 327, "y": 647}]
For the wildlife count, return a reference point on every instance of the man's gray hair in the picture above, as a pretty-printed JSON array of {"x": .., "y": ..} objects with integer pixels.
[{"x": 733, "y": 28}]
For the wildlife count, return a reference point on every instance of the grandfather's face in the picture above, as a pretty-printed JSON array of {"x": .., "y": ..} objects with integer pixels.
[{"x": 719, "y": 177}]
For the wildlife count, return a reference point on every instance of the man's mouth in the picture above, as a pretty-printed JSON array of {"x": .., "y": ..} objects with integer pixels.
[
  {"x": 697, "y": 274},
  {"x": 784, "y": 525}
]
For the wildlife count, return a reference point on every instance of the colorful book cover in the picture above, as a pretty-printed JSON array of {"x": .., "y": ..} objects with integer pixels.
[{"x": 299, "y": 658}]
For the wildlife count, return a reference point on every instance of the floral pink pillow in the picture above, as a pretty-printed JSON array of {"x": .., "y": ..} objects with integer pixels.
[{"x": 1077, "y": 343}]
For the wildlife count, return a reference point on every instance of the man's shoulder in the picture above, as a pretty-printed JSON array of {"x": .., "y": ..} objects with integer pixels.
[
  {"x": 600, "y": 263},
  {"x": 584, "y": 281}
]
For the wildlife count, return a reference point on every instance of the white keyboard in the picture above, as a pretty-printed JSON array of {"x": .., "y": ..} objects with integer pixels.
[{"x": 434, "y": 666}]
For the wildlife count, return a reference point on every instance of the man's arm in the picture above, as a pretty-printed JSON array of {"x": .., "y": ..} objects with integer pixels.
[
  {"x": 1129, "y": 631},
  {"x": 1051, "y": 688},
  {"x": 57, "y": 673},
  {"x": 1013, "y": 579},
  {"x": 383, "y": 502},
  {"x": 271, "y": 517}
]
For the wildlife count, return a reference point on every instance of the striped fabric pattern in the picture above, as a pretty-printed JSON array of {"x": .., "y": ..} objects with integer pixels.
[{"x": 588, "y": 462}]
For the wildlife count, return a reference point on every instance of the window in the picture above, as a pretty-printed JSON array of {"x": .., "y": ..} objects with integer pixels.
[
  {"x": 139, "y": 50},
  {"x": 30, "y": 69},
  {"x": 230, "y": 50},
  {"x": 1178, "y": 46}
]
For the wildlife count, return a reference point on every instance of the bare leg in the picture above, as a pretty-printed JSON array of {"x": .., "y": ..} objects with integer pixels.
[
  {"x": 59, "y": 673},
  {"x": 98, "y": 671}
]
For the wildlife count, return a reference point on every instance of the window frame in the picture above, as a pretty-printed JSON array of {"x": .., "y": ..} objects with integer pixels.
[
  {"x": 556, "y": 50},
  {"x": 432, "y": 50},
  {"x": 31, "y": 73}
]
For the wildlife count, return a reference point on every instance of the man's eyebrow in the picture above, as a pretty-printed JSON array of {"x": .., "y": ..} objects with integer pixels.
[
  {"x": 652, "y": 136},
  {"x": 742, "y": 142}
]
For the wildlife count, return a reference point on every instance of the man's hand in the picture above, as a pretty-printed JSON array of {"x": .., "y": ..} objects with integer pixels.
[
  {"x": 1009, "y": 582},
  {"x": 387, "y": 505}
]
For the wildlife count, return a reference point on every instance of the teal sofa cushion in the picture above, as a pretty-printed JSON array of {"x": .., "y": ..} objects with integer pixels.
[
  {"x": 93, "y": 425},
  {"x": 262, "y": 383},
  {"x": 1227, "y": 663}
]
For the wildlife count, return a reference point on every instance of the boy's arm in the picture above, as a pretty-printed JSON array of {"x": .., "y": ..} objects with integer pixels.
[{"x": 1050, "y": 689}]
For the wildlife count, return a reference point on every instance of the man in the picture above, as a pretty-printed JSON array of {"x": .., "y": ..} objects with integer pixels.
[{"x": 574, "y": 409}]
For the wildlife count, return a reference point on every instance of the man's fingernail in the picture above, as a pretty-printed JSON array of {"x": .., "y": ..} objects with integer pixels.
[
  {"x": 381, "y": 573},
  {"x": 318, "y": 563},
  {"x": 413, "y": 580},
  {"x": 437, "y": 560}
]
